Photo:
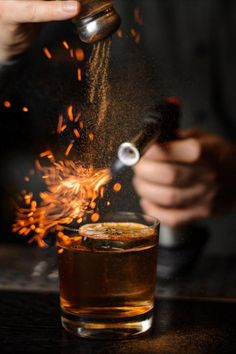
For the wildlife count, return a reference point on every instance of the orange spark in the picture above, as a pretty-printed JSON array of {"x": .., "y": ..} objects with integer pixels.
[
  {"x": 46, "y": 153},
  {"x": 93, "y": 205},
  {"x": 81, "y": 124},
  {"x": 63, "y": 128},
  {"x": 108, "y": 203},
  {"x": 26, "y": 179},
  {"x": 47, "y": 53},
  {"x": 72, "y": 53},
  {"x": 70, "y": 113},
  {"x": 77, "y": 117},
  {"x": 137, "y": 38},
  {"x": 117, "y": 187},
  {"x": 71, "y": 190},
  {"x": 66, "y": 45},
  {"x": 25, "y": 109},
  {"x": 7, "y": 104},
  {"x": 79, "y": 54},
  {"x": 60, "y": 251},
  {"x": 79, "y": 74},
  {"x": 91, "y": 136},
  {"x": 102, "y": 192},
  {"x": 76, "y": 133},
  {"x": 59, "y": 124},
  {"x": 68, "y": 149},
  {"x": 95, "y": 217},
  {"x": 133, "y": 32},
  {"x": 119, "y": 33},
  {"x": 137, "y": 16},
  {"x": 135, "y": 35}
]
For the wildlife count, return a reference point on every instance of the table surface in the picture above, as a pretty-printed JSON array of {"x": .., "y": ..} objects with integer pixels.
[
  {"x": 194, "y": 313},
  {"x": 30, "y": 323}
]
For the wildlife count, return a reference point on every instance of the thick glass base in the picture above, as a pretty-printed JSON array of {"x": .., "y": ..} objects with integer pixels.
[{"x": 103, "y": 328}]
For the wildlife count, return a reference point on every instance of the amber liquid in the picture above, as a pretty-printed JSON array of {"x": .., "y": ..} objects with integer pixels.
[{"x": 109, "y": 274}]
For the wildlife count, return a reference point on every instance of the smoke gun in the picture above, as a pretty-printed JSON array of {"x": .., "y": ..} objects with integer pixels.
[{"x": 160, "y": 125}]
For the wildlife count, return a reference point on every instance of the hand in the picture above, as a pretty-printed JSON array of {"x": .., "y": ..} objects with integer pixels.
[
  {"x": 189, "y": 179},
  {"x": 20, "y": 22}
]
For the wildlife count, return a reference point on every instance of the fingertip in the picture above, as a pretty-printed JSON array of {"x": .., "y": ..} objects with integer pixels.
[
  {"x": 71, "y": 6},
  {"x": 193, "y": 153}
]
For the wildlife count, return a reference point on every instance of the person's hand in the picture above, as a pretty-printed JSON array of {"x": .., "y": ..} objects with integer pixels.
[
  {"x": 20, "y": 22},
  {"x": 188, "y": 179}
]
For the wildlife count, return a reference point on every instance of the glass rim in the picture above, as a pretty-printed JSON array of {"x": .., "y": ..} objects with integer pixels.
[{"x": 155, "y": 221}]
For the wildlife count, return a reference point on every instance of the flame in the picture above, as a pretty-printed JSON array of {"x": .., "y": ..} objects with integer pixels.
[{"x": 71, "y": 194}]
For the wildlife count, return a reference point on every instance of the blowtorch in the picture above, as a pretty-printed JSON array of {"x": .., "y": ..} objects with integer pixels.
[
  {"x": 159, "y": 125},
  {"x": 98, "y": 20}
]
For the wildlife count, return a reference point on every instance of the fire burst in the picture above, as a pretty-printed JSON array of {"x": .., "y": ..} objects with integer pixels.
[{"x": 70, "y": 196}]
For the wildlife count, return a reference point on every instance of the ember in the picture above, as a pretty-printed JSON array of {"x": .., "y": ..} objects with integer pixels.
[{"x": 47, "y": 53}]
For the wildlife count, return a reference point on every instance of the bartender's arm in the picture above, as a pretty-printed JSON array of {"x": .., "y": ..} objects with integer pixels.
[
  {"x": 21, "y": 20},
  {"x": 189, "y": 179}
]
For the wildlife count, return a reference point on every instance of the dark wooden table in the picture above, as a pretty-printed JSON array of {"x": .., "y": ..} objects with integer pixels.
[
  {"x": 194, "y": 313},
  {"x": 30, "y": 323}
]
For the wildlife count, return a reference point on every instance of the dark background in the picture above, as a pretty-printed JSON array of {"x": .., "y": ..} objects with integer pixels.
[{"x": 186, "y": 50}]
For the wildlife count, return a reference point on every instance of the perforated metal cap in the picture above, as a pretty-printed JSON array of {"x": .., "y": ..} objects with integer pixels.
[{"x": 99, "y": 26}]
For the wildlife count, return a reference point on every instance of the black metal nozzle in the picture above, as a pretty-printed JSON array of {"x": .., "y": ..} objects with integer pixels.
[{"x": 159, "y": 125}]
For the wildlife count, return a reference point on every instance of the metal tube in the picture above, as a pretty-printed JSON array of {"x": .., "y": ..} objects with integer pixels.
[{"x": 159, "y": 125}]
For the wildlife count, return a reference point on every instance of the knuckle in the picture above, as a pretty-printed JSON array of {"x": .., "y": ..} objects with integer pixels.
[
  {"x": 32, "y": 12},
  {"x": 196, "y": 150},
  {"x": 173, "y": 175},
  {"x": 171, "y": 198}
]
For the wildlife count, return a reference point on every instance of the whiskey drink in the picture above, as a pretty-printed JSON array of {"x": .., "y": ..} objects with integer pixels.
[{"x": 107, "y": 278}]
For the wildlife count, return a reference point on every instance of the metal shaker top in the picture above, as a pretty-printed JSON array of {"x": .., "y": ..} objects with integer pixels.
[{"x": 97, "y": 20}]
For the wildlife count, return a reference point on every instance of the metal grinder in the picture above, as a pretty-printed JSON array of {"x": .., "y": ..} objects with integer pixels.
[
  {"x": 98, "y": 20},
  {"x": 161, "y": 125}
]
